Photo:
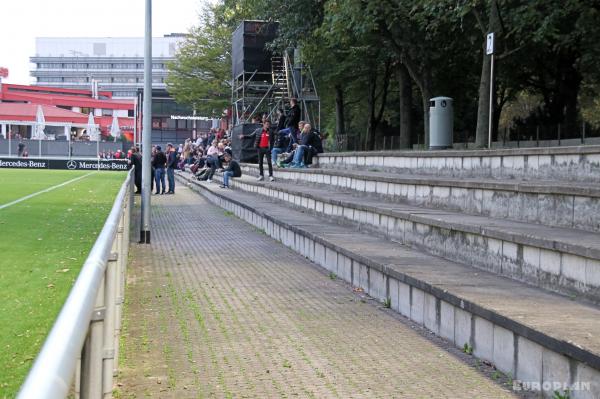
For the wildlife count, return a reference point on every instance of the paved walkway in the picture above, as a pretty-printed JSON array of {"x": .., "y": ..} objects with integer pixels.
[{"x": 215, "y": 308}]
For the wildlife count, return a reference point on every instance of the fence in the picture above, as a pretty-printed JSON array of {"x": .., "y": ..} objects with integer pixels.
[
  {"x": 521, "y": 136},
  {"x": 83, "y": 342},
  {"x": 57, "y": 148}
]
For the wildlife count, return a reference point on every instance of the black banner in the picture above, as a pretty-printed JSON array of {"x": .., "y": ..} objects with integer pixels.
[{"x": 68, "y": 164}]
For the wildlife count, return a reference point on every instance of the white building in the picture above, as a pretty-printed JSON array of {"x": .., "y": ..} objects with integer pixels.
[{"x": 116, "y": 63}]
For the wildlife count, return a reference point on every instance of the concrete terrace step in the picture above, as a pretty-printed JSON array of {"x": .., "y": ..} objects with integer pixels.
[
  {"x": 534, "y": 335},
  {"x": 551, "y": 203},
  {"x": 580, "y": 163},
  {"x": 559, "y": 259}
]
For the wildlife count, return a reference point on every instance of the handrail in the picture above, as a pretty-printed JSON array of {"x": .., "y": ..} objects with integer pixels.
[{"x": 55, "y": 365}]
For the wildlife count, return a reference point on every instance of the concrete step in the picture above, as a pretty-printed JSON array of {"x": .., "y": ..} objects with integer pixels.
[
  {"x": 580, "y": 163},
  {"x": 536, "y": 336},
  {"x": 558, "y": 259},
  {"x": 551, "y": 203}
]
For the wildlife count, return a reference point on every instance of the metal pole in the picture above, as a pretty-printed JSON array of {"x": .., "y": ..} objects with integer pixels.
[
  {"x": 491, "y": 100},
  {"x": 98, "y": 151},
  {"x": 583, "y": 132},
  {"x": 135, "y": 103},
  {"x": 194, "y": 129},
  {"x": 147, "y": 127}
]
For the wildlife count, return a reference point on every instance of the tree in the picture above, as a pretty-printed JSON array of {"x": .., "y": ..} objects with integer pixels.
[{"x": 200, "y": 75}]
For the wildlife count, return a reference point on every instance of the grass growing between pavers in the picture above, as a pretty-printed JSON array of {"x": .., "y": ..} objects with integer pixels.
[{"x": 44, "y": 242}]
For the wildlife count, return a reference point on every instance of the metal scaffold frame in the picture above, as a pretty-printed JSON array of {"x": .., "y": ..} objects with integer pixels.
[{"x": 256, "y": 92}]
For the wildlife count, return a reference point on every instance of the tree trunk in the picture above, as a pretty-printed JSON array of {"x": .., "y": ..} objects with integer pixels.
[
  {"x": 405, "y": 106},
  {"x": 340, "y": 122},
  {"x": 370, "y": 139},
  {"x": 483, "y": 109},
  {"x": 376, "y": 115},
  {"x": 425, "y": 97}
]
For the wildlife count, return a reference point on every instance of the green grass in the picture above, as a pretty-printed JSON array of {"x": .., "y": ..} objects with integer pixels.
[
  {"x": 19, "y": 183},
  {"x": 43, "y": 244}
]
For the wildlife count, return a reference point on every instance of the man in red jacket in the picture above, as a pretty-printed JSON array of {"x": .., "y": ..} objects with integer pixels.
[{"x": 263, "y": 142}]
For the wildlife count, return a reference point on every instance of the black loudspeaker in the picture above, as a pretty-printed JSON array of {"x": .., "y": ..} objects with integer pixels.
[
  {"x": 248, "y": 47},
  {"x": 243, "y": 149}
]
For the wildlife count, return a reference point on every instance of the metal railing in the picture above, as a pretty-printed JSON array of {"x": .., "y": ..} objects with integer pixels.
[{"x": 83, "y": 342}]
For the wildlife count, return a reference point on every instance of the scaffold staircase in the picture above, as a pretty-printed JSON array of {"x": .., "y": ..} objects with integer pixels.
[{"x": 281, "y": 84}]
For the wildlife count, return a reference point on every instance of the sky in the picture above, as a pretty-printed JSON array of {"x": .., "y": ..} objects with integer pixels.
[{"x": 21, "y": 21}]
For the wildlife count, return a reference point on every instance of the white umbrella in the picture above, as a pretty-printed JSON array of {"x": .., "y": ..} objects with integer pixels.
[
  {"x": 114, "y": 128},
  {"x": 92, "y": 131},
  {"x": 40, "y": 125}
]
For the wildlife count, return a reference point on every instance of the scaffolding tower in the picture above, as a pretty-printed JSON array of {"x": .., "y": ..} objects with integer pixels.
[{"x": 255, "y": 92}]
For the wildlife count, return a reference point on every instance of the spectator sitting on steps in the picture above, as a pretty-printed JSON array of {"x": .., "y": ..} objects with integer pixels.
[
  {"x": 309, "y": 143},
  {"x": 233, "y": 170}
]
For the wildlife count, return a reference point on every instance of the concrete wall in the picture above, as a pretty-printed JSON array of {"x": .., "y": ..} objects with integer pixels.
[
  {"x": 557, "y": 163},
  {"x": 567, "y": 206},
  {"x": 565, "y": 269}
]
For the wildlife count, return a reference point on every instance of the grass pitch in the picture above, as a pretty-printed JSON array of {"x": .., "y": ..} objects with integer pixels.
[{"x": 44, "y": 241}]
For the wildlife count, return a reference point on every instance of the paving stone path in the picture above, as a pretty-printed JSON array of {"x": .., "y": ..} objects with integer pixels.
[{"x": 215, "y": 308}]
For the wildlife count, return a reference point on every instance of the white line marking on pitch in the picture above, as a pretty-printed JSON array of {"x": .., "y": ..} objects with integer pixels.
[{"x": 25, "y": 198}]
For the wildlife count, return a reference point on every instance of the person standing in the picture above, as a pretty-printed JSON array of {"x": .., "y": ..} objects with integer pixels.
[
  {"x": 160, "y": 160},
  {"x": 136, "y": 162},
  {"x": 263, "y": 142},
  {"x": 293, "y": 118},
  {"x": 172, "y": 156}
]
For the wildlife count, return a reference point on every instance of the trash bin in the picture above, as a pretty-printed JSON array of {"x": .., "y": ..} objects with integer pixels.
[{"x": 441, "y": 123}]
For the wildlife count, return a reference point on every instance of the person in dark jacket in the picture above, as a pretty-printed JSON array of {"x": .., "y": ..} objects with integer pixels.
[
  {"x": 136, "y": 162},
  {"x": 233, "y": 170},
  {"x": 263, "y": 142},
  {"x": 159, "y": 162},
  {"x": 280, "y": 144},
  {"x": 293, "y": 118},
  {"x": 315, "y": 147},
  {"x": 171, "y": 165},
  {"x": 294, "y": 114},
  {"x": 309, "y": 141},
  {"x": 281, "y": 119}
]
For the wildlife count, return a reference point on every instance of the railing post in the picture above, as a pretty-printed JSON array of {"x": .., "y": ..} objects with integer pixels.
[
  {"x": 110, "y": 296},
  {"x": 121, "y": 265},
  {"x": 92, "y": 353}
]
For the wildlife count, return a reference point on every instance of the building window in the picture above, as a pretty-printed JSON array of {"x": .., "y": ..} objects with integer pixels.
[
  {"x": 50, "y": 79},
  {"x": 125, "y": 66},
  {"x": 159, "y": 123},
  {"x": 49, "y": 65},
  {"x": 100, "y": 66},
  {"x": 107, "y": 112},
  {"x": 75, "y": 80}
]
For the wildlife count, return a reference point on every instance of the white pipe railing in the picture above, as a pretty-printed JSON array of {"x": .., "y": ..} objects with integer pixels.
[{"x": 84, "y": 339}]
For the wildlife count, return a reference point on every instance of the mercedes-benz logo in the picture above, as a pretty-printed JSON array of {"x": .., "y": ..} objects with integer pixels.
[{"x": 71, "y": 165}]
